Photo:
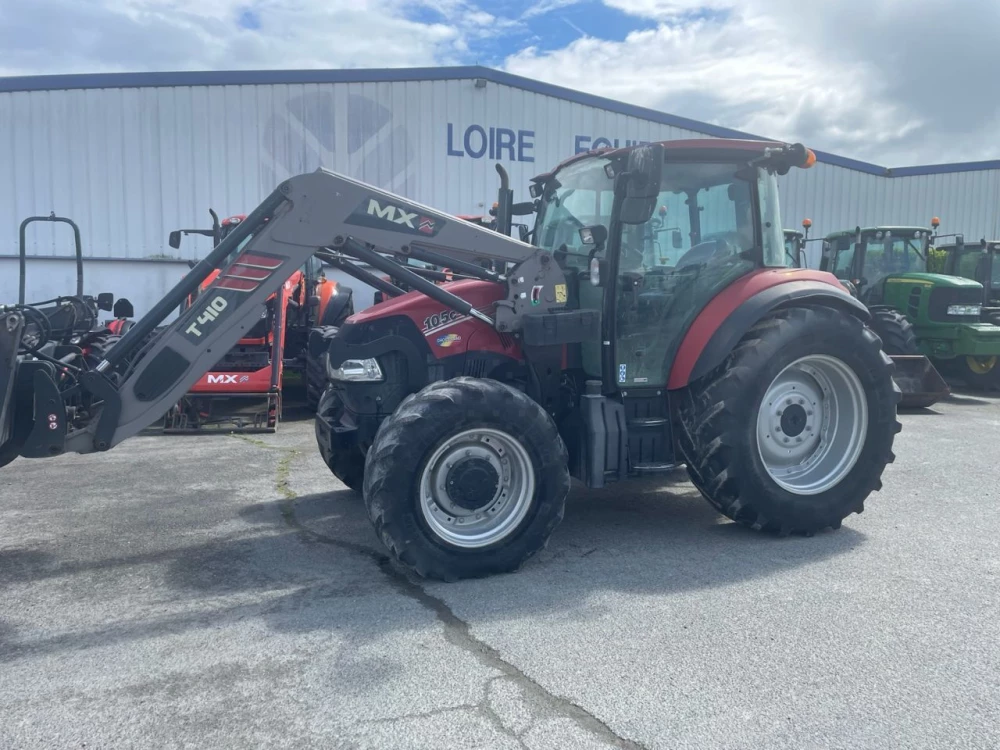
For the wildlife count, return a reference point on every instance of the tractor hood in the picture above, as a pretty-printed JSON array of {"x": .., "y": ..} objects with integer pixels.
[{"x": 934, "y": 279}]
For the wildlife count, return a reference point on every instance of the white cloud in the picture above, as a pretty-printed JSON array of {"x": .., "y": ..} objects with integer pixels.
[
  {"x": 889, "y": 81},
  {"x": 669, "y": 9},
  {"x": 547, "y": 6},
  {"x": 59, "y": 36}
]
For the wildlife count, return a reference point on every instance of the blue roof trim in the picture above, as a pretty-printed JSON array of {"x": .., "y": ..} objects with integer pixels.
[
  {"x": 392, "y": 75},
  {"x": 968, "y": 166}
]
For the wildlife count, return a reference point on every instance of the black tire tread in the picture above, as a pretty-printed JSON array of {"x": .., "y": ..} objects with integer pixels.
[
  {"x": 712, "y": 430},
  {"x": 344, "y": 458},
  {"x": 895, "y": 331},
  {"x": 401, "y": 445}
]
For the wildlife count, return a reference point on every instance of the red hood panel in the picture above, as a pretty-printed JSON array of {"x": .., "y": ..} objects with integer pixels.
[{"x": 447, "y": 332}]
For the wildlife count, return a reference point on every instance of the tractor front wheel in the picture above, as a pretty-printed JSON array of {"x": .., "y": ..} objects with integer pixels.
[
  {"x": 792, "y": 433},
  {"x": 341, "y": 452},
  {"x": 8, "y": 452},
  {"x": 981, "y": 373},
  {"x": 467, "y": 478}
]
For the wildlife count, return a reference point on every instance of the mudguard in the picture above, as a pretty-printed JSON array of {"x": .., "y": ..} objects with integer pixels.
[{"x": 735, "y": 310}]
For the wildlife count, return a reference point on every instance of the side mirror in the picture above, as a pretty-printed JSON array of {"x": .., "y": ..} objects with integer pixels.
[
  {"x": 175, "y": 239},
  {"x": 105, "y": 301},
  {"x": 595, "y": 235},
  {"x": 676, "y": 239},
  {"x": 523, "y": 232},
  {"x": 645, "y": 166},
  {"x": 959, "y": 241},
  {"x": 123, "y": 309}
]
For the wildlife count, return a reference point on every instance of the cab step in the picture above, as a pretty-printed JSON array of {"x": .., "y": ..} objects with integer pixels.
[{"x": 665, "y": 467}]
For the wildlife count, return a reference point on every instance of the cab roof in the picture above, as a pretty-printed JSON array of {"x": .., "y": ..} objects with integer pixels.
[
  {"x": 716, "y": 147},
  {"x": 870, "y": 230}
]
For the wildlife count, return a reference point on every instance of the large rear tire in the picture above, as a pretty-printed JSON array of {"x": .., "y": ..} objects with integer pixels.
[
  {"x": 896, "y": 332},
  {"x": 466, "y": 478},
  {"x": 791, "y": 434}
]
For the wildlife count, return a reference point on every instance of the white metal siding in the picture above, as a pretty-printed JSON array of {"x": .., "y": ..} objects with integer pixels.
[{"x": 130, "y": 164}]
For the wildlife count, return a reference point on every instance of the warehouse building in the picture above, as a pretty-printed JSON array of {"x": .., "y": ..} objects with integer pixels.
[{"x": 132, "y": 156}]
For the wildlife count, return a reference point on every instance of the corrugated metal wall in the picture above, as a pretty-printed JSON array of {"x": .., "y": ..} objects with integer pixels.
[{"x": 130, "y": 164}]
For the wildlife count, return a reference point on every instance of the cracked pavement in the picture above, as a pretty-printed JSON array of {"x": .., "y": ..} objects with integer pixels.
[{"x": 220, "y": 592}]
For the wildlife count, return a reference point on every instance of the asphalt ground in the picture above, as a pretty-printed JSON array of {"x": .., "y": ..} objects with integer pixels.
[{"x": 226, "y": 592}]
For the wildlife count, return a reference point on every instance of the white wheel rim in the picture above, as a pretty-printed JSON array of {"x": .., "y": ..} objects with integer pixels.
[
  {"x": 476, "y": 521},
  {"x": 812, "y": 424}
]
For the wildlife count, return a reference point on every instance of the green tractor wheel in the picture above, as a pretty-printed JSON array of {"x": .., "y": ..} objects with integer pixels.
[
  {"x": 896, "y": 332},
  {"x": 982, "y": 373}
]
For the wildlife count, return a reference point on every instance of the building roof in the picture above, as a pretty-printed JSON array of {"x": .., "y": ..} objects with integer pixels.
[{"x": 391, "y": 75}]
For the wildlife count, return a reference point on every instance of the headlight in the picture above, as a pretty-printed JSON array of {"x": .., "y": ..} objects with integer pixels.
[
  {"x": 965, "y": 310},
  {"x": 355, "y": 371}
]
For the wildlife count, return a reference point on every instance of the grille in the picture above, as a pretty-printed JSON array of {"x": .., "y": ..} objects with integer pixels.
[{"x": 942, "y": 297}]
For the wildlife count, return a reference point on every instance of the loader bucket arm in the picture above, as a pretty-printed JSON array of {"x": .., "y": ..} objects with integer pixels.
[{"x": 150, "y": 368}]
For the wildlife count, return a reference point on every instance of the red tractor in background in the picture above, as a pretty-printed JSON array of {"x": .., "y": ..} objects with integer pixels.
[{"x": 243, "y": 390}]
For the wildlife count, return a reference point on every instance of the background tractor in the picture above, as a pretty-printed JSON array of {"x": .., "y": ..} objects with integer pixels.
[
  {"x": 795, "y": 245},
  {"x": 470, "y": 404},
  {"x": 913, "y": 311},
  {"x": 979, "y": 262},
  {"x": 243, "y": 390}
]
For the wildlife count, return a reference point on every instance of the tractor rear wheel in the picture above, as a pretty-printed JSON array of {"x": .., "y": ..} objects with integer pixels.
[
  {"x": 896, "y": 332},
  {"x": 792, "y": 432},
  {"x": 467, "y": 478}
]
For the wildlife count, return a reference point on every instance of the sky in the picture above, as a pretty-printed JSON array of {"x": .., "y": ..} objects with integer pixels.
[{"x": 894, "y": 82}]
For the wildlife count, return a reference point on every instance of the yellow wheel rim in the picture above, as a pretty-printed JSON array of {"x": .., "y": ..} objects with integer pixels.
[{"x": 981, "y": 365}]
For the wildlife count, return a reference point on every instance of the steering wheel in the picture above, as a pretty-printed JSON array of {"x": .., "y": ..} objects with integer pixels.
[{"x": 706, "y": 251}]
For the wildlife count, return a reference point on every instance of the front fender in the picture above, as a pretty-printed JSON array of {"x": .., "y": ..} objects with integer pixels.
[{"x": 735, "y": 310}]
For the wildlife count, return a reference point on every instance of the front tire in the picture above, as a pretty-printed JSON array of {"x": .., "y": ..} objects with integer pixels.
[
  {"x": 341, "y": 452},
  {"x": 467, "y": 478},
  {"x": 981, "y": 373},
  {"x": 792, "y": 433}
]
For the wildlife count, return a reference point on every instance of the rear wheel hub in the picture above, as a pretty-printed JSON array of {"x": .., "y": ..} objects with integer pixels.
[{"x": 811, "y": 424}]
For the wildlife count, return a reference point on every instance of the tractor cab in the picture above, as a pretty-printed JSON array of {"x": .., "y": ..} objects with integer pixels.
[
  {"x": 795, "y": 245},
  {"x": 870, "y": 258},
  {"x": 794, "y": 248},
  {"x": 649, "y": 245},
  {"x": 979, "y": 262}
]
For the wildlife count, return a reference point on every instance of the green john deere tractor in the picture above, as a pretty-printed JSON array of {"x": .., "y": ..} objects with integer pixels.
[
  {"x": 979, "y": 262},
  {"x": 914, "y": 311}
]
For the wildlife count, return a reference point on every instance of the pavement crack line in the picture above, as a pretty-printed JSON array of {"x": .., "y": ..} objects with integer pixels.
[{"x": 456, "y": 631}]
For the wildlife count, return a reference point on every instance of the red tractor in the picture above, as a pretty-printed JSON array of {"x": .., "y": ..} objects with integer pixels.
[
  {"x": 244, "y": 389},
  {"x": 461, "y": 410}
]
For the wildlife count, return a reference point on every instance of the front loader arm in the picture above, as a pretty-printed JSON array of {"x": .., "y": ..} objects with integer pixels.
[{"x": 151, "y": 368}]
